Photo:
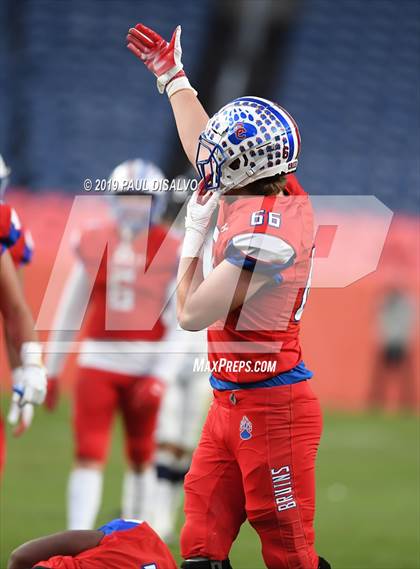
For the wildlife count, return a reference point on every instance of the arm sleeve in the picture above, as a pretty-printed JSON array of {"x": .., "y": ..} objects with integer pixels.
[
  {"x": 10, "y": 226},
  {"x": 68, "y": 316},
  {"x": 22, "y": 251}
]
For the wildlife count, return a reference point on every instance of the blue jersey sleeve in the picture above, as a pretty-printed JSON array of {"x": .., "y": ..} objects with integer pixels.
[{"x": 119, "y": 525}]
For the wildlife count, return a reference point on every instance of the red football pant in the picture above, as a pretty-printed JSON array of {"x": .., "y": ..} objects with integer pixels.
[
  {"x": 268, "y": 478},
  {"x": 98, "y": 396}
]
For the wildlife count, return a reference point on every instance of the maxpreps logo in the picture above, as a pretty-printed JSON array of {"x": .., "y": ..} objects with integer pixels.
[
  {"x": 245, "y": 428},
  {"x": 242, "y": 130}
]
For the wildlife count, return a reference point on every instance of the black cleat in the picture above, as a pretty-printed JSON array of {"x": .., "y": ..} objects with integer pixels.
[
  {"x": 206, "y": 564},
  {"x": 323, "y": 564}
]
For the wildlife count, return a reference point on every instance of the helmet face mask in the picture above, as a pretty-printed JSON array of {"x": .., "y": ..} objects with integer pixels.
[
  {"x": 210, "y": 166},
  {"x": 248, "y": 139}
]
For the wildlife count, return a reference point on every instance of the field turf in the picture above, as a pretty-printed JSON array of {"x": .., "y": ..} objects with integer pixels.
[{"x": 368, "y": 490}]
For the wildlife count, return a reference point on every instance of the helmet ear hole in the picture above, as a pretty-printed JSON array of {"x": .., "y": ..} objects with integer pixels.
[{"x": 235, "y": 165}]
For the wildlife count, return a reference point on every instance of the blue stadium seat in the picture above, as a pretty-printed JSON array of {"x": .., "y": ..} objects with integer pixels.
[
  {"x": 85, "y": 101},
  {"x": 351, "y": 81}
]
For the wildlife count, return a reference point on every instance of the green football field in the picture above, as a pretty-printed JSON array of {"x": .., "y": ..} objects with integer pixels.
[{"x": 368, "y": 490}]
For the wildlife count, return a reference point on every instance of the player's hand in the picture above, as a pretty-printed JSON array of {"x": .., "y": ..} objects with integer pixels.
[
  {"x": 53, "y": 394},
  {"x": 200, "y": 209},
  {"x": 32, "y": 387},
  {"x": 20, "y": 416},
  {"x": 163, "y": 59}
]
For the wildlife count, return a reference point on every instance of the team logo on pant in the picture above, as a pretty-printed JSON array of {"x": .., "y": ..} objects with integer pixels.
[{"x": 245, "y": 428}]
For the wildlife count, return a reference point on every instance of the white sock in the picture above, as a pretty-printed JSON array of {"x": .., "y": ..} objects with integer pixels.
[
  {"x": 168, "y": 494},
  {"x": 84, "y": 495},
  {"x": 166, "y": 507},
  {"x": 138, "y": 495}
]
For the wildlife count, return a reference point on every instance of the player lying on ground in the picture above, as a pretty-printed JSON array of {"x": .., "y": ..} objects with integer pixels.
[
  {"x": 120, "y": 544},
  {"x": 256, "y": 456}
]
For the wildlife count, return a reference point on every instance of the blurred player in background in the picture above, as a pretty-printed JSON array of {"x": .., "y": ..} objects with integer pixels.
[
  {"x": 256, "y": 456},
  {"x": 180, "y": 419},
  {"x": 25, "y": 353},
  {"x": 118, "y": 353},
  {"x": 122, "y": 544},
  {"x": 21, "y": 253},
  {"x": 394, "y": 362}
]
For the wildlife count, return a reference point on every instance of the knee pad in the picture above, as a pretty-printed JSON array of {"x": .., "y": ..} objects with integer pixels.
[
  {"x": 147, "y": 394},
  {"x": 206, "y": 564},
  {"x": 323, "y": 564}
]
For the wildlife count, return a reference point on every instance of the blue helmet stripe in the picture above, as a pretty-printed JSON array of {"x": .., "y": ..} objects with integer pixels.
[{"x": 281, "y": 118}]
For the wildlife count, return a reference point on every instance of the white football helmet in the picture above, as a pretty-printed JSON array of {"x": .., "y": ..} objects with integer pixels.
[
  {"x": 4, "y": 177},
  {"x": 135, "y": 178},
  {"x": 248, "y": 139}
]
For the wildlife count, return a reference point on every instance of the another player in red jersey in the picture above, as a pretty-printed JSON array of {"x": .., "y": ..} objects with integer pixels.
[
  {"x": 30, "y": 384},
  {"x": 122, "y": 544},
  {"x": 126, "y": 268},
  {"x": 256, "y": 457},
  {"x": 21, "y": 253}
]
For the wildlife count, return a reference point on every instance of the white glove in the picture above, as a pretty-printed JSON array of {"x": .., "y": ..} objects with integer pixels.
[
  {"x": 33, "y": 378},
  {"x": 19, "y": 415},
  {"x": 199, "y": 211}
]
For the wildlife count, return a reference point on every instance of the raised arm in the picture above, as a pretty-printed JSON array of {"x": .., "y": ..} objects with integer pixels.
[
  {"x": 191, "y": 120},
  {"x": 163, "y": 59}
]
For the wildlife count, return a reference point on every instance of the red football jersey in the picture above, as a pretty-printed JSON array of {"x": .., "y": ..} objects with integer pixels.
[
  {"x": 131, "y": 279},
  {"x": 10, "y": 229},
  {"x": 22, "y": 251},
  {"x": 273, "y": 235},
  {"x": 136, "y": 548}
]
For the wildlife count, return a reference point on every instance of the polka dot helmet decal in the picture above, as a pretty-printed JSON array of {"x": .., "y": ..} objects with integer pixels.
[{"x": 248, "y": 139}]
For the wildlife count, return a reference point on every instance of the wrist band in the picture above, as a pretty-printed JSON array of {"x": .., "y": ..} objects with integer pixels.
[
  {"x": 31, "y": 354},
  {"x": 178, "y": 84},
  {"x": 192, "y": 244},
  {"x": 17, "y": 376}
]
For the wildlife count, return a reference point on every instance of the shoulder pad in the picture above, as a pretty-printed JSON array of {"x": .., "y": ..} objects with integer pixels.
[{"x": 264, "y": 247}]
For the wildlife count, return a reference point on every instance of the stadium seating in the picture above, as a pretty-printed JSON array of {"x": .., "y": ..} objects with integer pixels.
[
  {"x": 75, "y": 102},
  {"x": 83, "y": 103},
  {"x": 352, "y": 83}
]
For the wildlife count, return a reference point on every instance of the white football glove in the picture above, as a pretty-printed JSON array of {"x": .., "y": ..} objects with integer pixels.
[
  {"x": 33, "y": 378},
  {"x": 33, "y": 388},
  {"x": 20, "y": 416},
  {"x": 200, "y": 209}
]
